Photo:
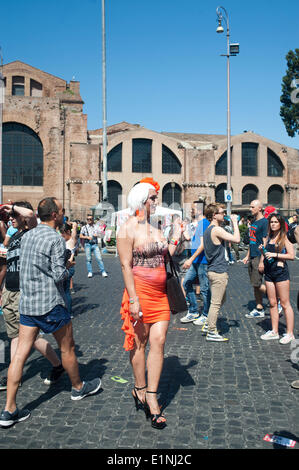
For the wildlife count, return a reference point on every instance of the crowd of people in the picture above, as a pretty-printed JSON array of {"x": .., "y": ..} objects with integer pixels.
[
  {"x": 39, "y": 267},
  {"x": 143, "y": 250},
  {"x": 36, "y": 296}
]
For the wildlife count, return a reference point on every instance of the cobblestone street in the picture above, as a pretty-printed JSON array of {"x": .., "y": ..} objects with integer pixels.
[{"x": 216, "y": 395}]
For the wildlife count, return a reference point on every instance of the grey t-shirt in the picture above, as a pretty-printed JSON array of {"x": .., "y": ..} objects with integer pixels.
[{"x": 215, "y": 254}]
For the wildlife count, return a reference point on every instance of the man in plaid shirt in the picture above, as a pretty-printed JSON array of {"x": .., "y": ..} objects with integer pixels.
[{"x": 42, "y": 306}]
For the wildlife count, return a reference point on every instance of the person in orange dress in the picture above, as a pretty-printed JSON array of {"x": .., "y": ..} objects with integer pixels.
[{"x": 145, "y": 309}]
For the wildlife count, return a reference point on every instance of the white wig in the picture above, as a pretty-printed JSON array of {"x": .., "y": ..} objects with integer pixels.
[{"x": 138, "y": 196}]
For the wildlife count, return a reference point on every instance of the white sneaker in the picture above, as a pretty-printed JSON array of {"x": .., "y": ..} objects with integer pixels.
[
  {"x": 215, "y": 336},
  {"x": 270, "y": 335},
  {"x": 89, "y": 275},
  {"x": 255, "y": 313},
  {"x": 104, "y": 274},
  {"x": 200, "y": 321},
  {"x": 190, "y": 317},
  {"x": 287, "y": 338}
]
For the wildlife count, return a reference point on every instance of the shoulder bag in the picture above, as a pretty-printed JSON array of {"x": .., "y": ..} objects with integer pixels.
[{"x": 175, "y": 294}]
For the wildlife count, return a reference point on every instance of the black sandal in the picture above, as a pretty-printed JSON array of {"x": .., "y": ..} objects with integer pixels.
[
  {"x": 154, "y": 417},
  {"x": 138, "y": 403}
]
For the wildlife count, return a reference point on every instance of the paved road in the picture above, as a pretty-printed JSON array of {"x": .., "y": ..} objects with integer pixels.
[{"x": 217, "y": 395}]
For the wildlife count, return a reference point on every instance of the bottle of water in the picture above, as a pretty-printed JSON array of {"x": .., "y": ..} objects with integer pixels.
[{"x": 269, "y": 260}]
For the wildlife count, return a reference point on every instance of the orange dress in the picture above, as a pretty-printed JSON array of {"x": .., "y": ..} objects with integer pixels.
[{"x": 150, "y": 284}]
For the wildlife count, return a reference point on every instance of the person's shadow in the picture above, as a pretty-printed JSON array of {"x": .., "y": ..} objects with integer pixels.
[
  {"x": 95, "y": 368},
  {"x": 175, "y": 374}
]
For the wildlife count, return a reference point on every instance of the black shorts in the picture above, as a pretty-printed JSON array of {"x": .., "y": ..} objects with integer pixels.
[{"x": 277, "y": 275}]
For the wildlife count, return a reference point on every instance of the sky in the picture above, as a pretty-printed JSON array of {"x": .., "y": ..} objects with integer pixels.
[{"x": 163, "y": 59}]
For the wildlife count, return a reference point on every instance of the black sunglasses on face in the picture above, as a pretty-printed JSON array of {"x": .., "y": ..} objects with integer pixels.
[{"x": 153, "y": 198}]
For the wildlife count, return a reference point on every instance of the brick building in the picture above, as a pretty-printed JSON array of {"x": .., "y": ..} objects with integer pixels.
[{"x": 48, "y": 150}]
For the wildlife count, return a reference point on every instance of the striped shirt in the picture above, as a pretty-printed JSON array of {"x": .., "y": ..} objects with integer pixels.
[{"x": 42, "y": 271}]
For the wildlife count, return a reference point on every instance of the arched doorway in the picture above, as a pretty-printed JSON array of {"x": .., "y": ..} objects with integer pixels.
[
  {"x": 114, "y": 191},
  {"x": 219, "y": 193},
  {"x": 172, "y": 195},
  {"x": 249, "y": 193},
  {"x": 275, "y": 195}
]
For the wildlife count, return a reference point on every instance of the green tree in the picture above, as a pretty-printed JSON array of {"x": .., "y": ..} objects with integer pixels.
[{"x": 289, "y": 111}]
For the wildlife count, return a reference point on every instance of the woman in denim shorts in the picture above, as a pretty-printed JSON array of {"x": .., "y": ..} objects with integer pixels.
[{"x": 277, "y": 249}]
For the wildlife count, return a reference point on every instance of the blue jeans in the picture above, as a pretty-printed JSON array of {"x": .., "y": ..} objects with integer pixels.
[
  {"x": 93, "y": 248},
  {"x": 200, "y": 271}
]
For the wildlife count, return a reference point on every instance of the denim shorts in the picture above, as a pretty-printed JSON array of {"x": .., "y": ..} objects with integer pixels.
[{"x": 49, "y": 323}]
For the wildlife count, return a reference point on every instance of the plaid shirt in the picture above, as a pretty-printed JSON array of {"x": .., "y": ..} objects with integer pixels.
[{"x": 42, "y": 271}]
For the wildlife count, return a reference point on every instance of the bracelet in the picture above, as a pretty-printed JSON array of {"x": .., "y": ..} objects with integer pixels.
[
  {"x": 173, "y": 241},
  {"x": 132, "y": 300}
]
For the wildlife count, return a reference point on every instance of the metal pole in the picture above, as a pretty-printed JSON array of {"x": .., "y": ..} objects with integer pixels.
[
  {"x": 1, "y": 120},
  {"x": 105, "y": 195},
  {"x": 229, "y": 204}
]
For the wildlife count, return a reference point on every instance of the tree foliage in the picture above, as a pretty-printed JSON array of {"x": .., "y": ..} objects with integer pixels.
[{"x": 289, "y": 111}]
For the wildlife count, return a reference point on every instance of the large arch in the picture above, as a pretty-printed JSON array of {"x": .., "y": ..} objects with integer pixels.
[
  {"x": 114, "y": 191},
  {"x": 170, "y": 162},
  {"x": 274, "y": 164},
  {"x": 22, "y": 156},
  {"x": 249, "y": 193},
  {"x": 275, "y": 195},
  {"x": 221, "y": 164},
  {"x": 114, "y": 159}
]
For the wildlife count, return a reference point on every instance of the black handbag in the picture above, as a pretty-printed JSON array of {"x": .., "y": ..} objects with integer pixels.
[{"x": 175, "y": 294}]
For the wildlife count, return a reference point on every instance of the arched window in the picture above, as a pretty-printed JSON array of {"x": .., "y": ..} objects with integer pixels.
[
  {"x": 249, "y": 159},
  {"x": 275, "y": 195},
  {"x": 142, "y": 156},
  {"x": 170, "y": 163},
  {"x": 221, "y": 164},
  {"x": 114, "y": 158},
  {"x": 114, "y": 190},
  {"x": 22, "y": 159},
  {"x": 275, "y": 167},
  {"x": 249, "y": 193},
  {"x": 172, "y": 195},
  {"x": 219, "y": 192}
]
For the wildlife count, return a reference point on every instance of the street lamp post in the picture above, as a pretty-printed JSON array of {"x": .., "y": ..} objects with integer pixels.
[
  {"x": 232, "y": 50},
  {"x": 104, "y": 178}
]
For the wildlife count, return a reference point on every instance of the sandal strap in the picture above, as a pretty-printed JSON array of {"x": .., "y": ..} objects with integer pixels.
[
  {"x": 150, "y": 392},
  {"x": 139, "y": 388}
]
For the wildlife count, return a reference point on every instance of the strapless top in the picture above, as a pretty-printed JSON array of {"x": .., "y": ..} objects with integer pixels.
[{"x": 150, "y": 255}]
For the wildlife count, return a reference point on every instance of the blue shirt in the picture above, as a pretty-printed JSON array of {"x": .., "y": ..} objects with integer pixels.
[
  {"x": 11, "y": 231},
  {"x": 200, "y": 229},
  {"x": 257, "y": 231}
]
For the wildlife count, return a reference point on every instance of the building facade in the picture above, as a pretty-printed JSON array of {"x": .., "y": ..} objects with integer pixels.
[{"x": 48, "y": 150}]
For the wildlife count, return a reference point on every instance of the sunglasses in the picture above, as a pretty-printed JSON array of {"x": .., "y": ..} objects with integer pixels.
[
  {"x": 13, "y": 214},
  {"x": 153, "y": 198}
]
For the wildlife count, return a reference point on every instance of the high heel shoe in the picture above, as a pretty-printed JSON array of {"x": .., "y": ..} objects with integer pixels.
[
  {"x": 138, "y": 403},
  {"x": 154, "y": 417}
]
